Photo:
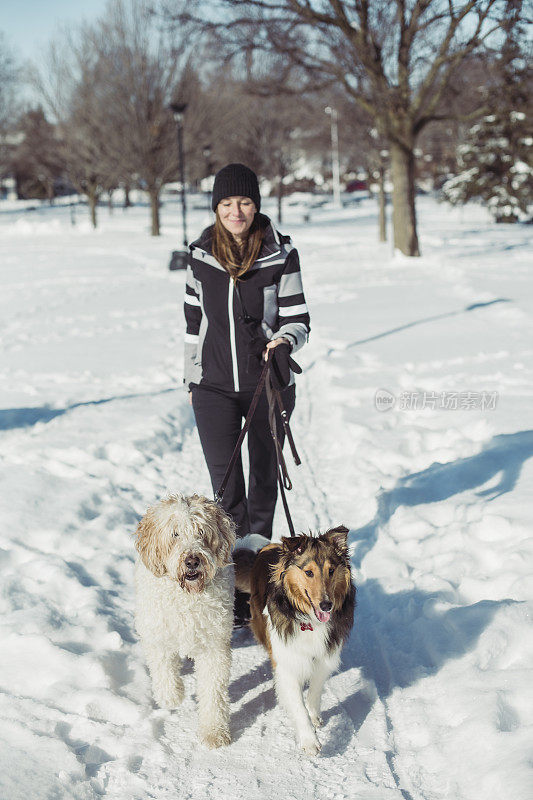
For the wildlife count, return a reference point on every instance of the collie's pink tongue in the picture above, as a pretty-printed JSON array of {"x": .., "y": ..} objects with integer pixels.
[{"x": 323, "y": 616}]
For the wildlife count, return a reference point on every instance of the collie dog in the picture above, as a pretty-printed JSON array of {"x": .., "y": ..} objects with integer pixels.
[{"x": 302, "y": 603}]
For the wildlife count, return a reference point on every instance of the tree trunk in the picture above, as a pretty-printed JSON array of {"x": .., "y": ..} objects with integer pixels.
[
  {"x": 403, "y": 199},
  {"x": 382, "y": 200},
  {"x": 154, "y": 207},
  {"x": 127, "y": 201},
  {"x": 92, "y": 200},
  {"x": 50, "y": 191}
]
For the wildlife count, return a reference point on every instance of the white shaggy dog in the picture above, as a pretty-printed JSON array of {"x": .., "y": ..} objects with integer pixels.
[{"x": 184, "y": 580}]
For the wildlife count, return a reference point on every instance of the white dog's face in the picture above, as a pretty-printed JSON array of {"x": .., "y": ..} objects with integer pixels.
[{"x": 186, "y": 538}]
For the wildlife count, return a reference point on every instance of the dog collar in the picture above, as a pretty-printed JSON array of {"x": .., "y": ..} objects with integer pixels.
[{"x": 306, "y": 626}]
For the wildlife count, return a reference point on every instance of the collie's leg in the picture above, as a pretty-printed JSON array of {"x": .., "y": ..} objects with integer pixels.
[
  {"x": 164, "y": 667},
  {"x": 321, "y": 673},
  {"x": 290, "y": 697},
  {"x": 212, "y": 678}
]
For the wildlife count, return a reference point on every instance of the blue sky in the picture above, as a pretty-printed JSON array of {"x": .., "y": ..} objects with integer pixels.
[{"x": 29, "y": 24}]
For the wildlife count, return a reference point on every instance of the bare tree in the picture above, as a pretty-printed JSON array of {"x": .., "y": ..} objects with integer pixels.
[
  {"x": 264, "y": 133},
  {"x": 109, "y": 86},
  {"x": 72, "y": 83},
  {"x": 395, "y": 58},
  {"x": 143, "y": 65},
  {"x": 9, "y": 76},
  {"x": 36, "y": 160}
]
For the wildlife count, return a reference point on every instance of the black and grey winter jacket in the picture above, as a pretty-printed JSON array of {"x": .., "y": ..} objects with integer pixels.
[{"x": 217, "y": 338}]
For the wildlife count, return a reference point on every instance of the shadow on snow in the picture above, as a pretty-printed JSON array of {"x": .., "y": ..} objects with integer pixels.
[
  {"x": 402, "y": 637},
  {"x": 407, "y": 325},
  {"x": 26, "y": 417},
  {"x": 423, "y": 320},
  {"x": 503, "y": 455}
]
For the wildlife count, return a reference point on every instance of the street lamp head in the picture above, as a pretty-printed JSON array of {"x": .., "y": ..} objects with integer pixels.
[{"x": 178, "y": 110}]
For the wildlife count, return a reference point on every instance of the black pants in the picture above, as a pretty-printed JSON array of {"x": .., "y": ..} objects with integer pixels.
[{"x": 219, "y": 417}]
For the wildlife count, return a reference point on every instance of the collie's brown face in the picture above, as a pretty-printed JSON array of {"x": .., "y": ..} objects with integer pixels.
[{"x": 315, "y": 572}]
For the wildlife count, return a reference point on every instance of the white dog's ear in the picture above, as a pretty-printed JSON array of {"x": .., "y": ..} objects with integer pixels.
[
  {"x": 149, "y": 544},
  {"x": 226, "y": 528}
]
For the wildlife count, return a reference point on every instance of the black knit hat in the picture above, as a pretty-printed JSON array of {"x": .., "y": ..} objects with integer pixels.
[{"x": 235, "y": 180}]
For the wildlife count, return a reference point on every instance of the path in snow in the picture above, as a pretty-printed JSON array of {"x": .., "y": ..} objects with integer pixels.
[{"x": 431, "y": 700}]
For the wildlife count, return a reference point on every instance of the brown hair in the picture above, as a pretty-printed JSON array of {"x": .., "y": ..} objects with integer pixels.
[{"x": 236, "y": 259}]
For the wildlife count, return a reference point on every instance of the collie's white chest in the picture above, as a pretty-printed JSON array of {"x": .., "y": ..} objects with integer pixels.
[{"x": 301, "y": 652}]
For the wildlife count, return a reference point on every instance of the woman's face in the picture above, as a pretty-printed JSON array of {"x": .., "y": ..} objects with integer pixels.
[{"x": 236, "y": 214}]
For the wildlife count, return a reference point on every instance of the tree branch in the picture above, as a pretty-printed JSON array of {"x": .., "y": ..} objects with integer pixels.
[{"x": 444, "y": 57}]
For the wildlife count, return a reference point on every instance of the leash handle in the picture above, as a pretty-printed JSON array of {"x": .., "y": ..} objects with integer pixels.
[
  {"x": 286, "y": 505},
  {"x": 286, "y": 426}
]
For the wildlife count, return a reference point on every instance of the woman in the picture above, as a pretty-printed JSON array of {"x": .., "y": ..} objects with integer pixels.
[{"x": 243, "y": 285}]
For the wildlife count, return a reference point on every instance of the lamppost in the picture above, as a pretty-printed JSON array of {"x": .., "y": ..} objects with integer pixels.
[
  {"x": 72, "y": 212},
  {"x": 179, "y": 257},
  {"x": 332, "y": 112},
  {"x": 207, "y": 156}
]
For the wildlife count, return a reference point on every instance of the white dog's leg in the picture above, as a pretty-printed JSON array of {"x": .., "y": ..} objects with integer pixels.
[
  {"x": 319, "y": 676},
  {"x": 164, "y": 667},
  {"x": 212, "y": 679},
  {"x": 290, "y": 697}
]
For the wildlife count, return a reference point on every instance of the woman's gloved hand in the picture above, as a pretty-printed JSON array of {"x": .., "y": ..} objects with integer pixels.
[{"x": 282, "y": 363}]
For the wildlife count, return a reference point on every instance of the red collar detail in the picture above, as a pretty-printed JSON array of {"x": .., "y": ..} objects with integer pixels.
[{"x": 305, "y": 626}]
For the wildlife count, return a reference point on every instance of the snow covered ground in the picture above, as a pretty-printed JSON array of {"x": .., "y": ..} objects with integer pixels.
[{"x": 434, "y": 695}]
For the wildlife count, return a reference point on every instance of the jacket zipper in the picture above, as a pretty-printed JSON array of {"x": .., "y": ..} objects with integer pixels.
[{"x": 232, "y": 342}]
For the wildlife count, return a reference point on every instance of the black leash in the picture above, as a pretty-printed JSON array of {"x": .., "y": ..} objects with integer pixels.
[
  {"x": 274, "y": 398},
  {"x": 253, "y": 405}
]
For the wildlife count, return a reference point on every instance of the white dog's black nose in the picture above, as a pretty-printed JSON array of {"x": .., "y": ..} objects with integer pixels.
[
  {"x": 326, "y": 605},
  {"x": 192, "y": 562}
]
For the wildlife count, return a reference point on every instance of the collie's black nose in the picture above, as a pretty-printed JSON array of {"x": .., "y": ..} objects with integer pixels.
[
  {"x": 192, "y": 562},
  {"x": 326, "y": 605}
]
